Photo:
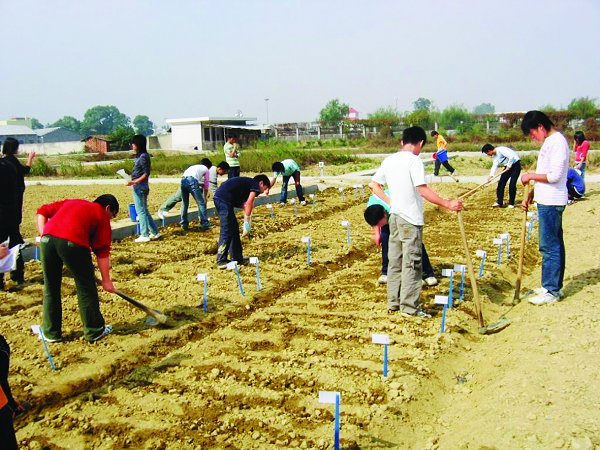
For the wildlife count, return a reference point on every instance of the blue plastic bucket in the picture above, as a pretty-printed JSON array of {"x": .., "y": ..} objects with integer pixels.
[{"x": 132, "y": 212}]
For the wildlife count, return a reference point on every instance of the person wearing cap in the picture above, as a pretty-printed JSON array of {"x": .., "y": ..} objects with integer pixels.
[
  {"x": 70, "y": 231},
  {"x": 507, "y": 157}
]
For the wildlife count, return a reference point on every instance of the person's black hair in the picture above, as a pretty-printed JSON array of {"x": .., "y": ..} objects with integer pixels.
[
  {"x": 140, "y": 142},
  {"x": 414, "y": 135},
  {"x": 109, "y": 200},
  {"x": 10, "y": 146},
  {"x": 277, "y": 167},
  {"x": 223, "y": 165},
  {"x": 206, "y": 163},
  {"x": 486, "y": 148},
  {"x": 579, "y": 137},
  {"x": 373, "y": 214},
  {"x": 262, "y": 177},
  {"x": 434, "y": 133},
  {"x": 533, "y": 119}
]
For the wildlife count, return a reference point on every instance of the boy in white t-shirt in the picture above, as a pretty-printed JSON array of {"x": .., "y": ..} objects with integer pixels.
[
  {"x": 551, "y": 195},
  {"x": 404, "y": 174}
]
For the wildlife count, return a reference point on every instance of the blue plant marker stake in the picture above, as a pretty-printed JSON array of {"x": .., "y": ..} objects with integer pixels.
[
  {"x": 499, "y": 243},
  {"x": 312, "y": 197},
  {"x": 306, "y": 240},
  {"x": 442, "y": 300},
  {"x": 234, "y": 265},
  {"x": 293, "y": 202},
  {"x": 37, "y": 330},
  {"x": 346, "y": 224},
  {"x": 506, "y": 237},
  {"x": 383, "y": 339},
  {"x": 482, "y": 254},
  {"x": 343, "y": 194},
  {"x": 529, "y": 229},
  {"x": 462, "y": 269},
  {"x": 332, "y": 397},
  {"x": 254, "y": 260},
  {"x": 204, "y": 278},
  {"x": 321, "y": 166},
  {"x": 450, "y": 274},
  {"x": 270, "y": 208}
]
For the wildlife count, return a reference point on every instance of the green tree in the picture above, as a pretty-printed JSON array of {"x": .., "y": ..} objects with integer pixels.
[
  {"x": 548, "y": 108},
  {"x": 582, "y": 107},
  {"x": 69, "y": 123},
  {"x": 143, "y": 125},
  {"x": 103, "y": 120},
  {"x": 455, "y": 117},
  {"x": 421, "y": 118},
  {"x": 121, "y": 138},
  {"x": 422, "y": 104},
  {"x": 384, "y": 113},
  {"x": 36, "y": 124},
  {"x": 333, "y": 112},
  {"x": 484, "y": 108}
]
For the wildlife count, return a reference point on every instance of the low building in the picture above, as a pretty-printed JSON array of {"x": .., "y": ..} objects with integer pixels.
[
  {"x": 56, "y": 134},
  {"x": 209, "y": 133},
  {"x": 21, "y": 133},
  {"x": 97, "y": 144}
]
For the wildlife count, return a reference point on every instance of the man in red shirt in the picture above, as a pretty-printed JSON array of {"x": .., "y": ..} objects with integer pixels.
[{"x": 71, "y": 230}]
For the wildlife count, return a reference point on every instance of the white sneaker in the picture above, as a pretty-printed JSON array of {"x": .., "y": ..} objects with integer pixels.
[
  {"x": 303, "y": 202},
  {"x": 155, "y": 236},
  {"x": 382, "y": 279},
  {"x": 543, "y": 290},
  {"x": 496, "y": 205},
  {"x": 430, "y": 281},
  {"x": 161, "y": 214},
  {"x": 511, "y": 206},
  {"x": 142, "y": 239},
  {"x": 542, "y": 299}
]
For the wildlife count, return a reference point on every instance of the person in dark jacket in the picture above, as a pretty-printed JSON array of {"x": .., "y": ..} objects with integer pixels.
[
  {"x": 9, "y": 408},
  {"x": 10, "y": 149}
]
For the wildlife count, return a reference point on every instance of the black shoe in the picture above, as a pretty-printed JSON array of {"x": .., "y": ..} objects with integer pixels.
[{"x": 244, "y": 262}]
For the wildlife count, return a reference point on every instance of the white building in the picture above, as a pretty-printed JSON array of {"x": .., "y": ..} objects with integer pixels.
[{"x": 208, "y": 133}]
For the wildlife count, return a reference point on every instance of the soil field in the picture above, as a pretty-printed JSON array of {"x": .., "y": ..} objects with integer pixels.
[{"x": 247, "y": 373}]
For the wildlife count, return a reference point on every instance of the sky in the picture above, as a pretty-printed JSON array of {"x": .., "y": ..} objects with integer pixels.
[{"x": 196, "y": 58}]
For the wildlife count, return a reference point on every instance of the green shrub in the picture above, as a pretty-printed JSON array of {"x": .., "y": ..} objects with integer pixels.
[{"x": 41, "y": 168}]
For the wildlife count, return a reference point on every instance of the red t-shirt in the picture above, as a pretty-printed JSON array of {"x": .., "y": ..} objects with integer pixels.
[{"x": 81, "y": 222}]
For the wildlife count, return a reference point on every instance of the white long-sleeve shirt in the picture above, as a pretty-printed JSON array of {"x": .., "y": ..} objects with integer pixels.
[
  {"x": 200, "y": 173},
  {"x": 553, "y": 160},
  {"x": 504, "y": 156}
]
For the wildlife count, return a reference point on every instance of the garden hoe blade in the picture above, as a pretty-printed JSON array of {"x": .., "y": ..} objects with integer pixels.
[{"x": 492, "y": 328}]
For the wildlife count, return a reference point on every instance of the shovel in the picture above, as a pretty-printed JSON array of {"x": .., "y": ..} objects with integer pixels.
[
  {"x": 154, "y": 318},
  {"x": 483, "y": 329}
]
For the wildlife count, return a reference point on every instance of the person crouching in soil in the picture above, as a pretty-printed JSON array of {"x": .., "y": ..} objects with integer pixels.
[
  {"x": 69, "y": 229},
  {"x": 237, "y": 192}
]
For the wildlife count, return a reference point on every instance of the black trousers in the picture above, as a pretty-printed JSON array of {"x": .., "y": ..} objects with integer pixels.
[{"x": 512, "y": 174}]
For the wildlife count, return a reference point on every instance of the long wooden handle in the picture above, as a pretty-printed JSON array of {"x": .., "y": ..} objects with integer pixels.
[
  {"x": 475, "y": 189},
  {"x": 478, "y": 308},
  {"x": 160, "y": 317},
  {"x": 517, "y": 295}
]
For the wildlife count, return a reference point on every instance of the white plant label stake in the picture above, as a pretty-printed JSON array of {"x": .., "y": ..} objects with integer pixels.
[
  {"x": 506, "y": 237},
  {"x": 450, "y": 274},
  {"x": 306, "y": 240},
  {"x": 203, "y": 277},
  {"x": 481, "y": 254},
  {"x": 346, "y": 224},
  {"x": 442, "y": 300},
  {"x": 383, "y": 339},
  {"x": 233, "y": 265},
  {"x": 321, "y": 166},
  {"x": 254, "y": 261},
  {"x": 270, "y": 208},
  {"x": 461, "y": 268},
  {"x": 499, "y": 243},
  {"x": 332, "y": 397}
]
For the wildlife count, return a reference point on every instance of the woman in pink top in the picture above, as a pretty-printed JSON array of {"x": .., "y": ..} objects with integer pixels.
[{"x": 580, "y": 147}]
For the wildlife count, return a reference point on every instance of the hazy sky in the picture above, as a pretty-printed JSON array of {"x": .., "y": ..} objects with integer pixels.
[{"x": 184, "y": 58}]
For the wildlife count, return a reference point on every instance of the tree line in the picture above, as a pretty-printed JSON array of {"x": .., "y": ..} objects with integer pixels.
[
  {"x": 105, "y": 121},
  {"x": 458, "y": 117}
]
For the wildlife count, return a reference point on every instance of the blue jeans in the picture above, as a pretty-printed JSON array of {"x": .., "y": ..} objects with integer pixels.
[
  {"x": 190, "y": 185},
  {"x": 230, "y": 243},
  {"x": 284, "y": 186},
  {"x": 140, "y": 198},
  {"x": 552, "y": 247}
]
